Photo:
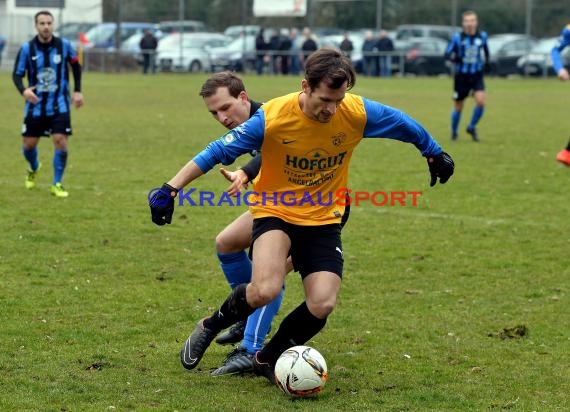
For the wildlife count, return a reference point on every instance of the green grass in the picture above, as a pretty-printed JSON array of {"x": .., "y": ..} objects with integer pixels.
[{"x": 96, "y": 301}]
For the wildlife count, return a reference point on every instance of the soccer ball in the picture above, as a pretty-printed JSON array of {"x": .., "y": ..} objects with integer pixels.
[{"x": 301, "y": 371}]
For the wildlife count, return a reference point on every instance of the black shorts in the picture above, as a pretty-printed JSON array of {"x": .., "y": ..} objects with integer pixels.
[
  {"x": 47, "y": 125},
  {"x": 465, "y": 83},
  {"x": 313, "y": 248}
]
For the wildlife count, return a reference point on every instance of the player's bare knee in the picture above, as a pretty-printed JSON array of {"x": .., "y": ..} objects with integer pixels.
[
  {"x": 224, "y": 244},
  {"x": 30, "y": 144},
  {"x": 262, "y": 293},
  {"x": 323, "y": 308}
]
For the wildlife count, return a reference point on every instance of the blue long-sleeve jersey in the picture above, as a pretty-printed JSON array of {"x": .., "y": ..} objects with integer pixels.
[
  {"x": 381, "y": 121},
  {"x": 562, "y": 43},
  {"x": 467, "y": 52}
]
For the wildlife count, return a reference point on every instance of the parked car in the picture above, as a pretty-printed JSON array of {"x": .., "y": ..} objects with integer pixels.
[
  {"x": 327, "y": 31},
  {"x": 193, "y": 56},
  {"x": 102, "y": 36},
  {"x": 538, "y": 61},
  {"x": 234, "y": 55},
  {"x": 71, "y": 31},
  {"x": 236, "y": 31},
  {"x": 424, "y": 56},
  {"x": 505, "y": 50},
  {"x": 184, "y": 26},
  {"x": 409, "y": 31},
  {"x": 132, "y": 44}
]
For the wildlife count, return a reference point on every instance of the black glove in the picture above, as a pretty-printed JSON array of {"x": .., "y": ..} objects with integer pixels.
[
  {"x": 161, "y": 204},
  {"x": 441, "y": 166}
]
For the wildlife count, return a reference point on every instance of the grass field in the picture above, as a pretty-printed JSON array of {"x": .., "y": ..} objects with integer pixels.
[{"x": 96, "y": 301}]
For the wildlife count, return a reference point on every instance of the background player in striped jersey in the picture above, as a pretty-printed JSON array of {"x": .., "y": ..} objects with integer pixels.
[
  {"x": 46, "y": 60},
  {"x": 294, "y": 132},
  {"x": 564, "y": 155},
  {"x": 465, "y": 50}
]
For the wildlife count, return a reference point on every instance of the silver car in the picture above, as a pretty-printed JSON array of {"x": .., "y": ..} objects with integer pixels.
[
  {"x": 188, "y": 51},
  {"x": 538, "y": 62}
]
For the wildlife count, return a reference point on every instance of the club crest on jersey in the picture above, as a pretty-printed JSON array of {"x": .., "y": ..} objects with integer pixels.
[
  {"x": 338, "y": 139},
  {"x": 478, "y": 42},
  {"x": 47, "y": 80},
  {"x": 57, "y": 59},
  {"x": 228, "y": 138}
]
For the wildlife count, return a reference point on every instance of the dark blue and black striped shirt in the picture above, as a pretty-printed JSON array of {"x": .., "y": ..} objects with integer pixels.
[
  {"x": 47, "y": 68},
  {"x": 467, "y": 52}
]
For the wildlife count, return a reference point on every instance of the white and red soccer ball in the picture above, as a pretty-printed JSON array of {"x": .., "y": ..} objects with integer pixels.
[{"x": 301, "y": 371}]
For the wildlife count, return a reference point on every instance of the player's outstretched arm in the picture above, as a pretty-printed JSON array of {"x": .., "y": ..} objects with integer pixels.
[
  {"x": 555, "y": 54},
  {"x": 187, "y": 174},
  {"x": 225, "y": 150},
  {"x": 387, "y": 122}
]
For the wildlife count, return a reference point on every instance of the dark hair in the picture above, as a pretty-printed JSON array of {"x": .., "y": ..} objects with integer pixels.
[
  {"x": 42, "y": 13},
  {"x": 222, "y": 79},
  {"x": 330, "y": 66}
]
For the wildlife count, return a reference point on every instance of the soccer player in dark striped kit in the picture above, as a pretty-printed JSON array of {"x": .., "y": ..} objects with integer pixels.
[{"x": 46, "y": 60}]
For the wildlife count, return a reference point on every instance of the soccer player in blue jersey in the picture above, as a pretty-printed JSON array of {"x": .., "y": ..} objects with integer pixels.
[
  {"x": 564, "y": 155},
  {"x": 225, "y": 97},
  {"x": 465, "y": 50},
  {"x": 46, "y": 60},
  {"x": 307, "y": 139}
]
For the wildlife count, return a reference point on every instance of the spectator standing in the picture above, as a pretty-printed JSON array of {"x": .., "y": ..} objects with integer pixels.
[
  {"x": 309, "y": 45},
  {"x": 385, "y": 45},
  {"x": 285, "y": 49},
  {"x": 148, "y": 45},
  {"x": 261, "y": 49},
  {"x": 2, "y": 45},
  {"x": 294, "y": 52},
  {"x": 369, "y": 53},
  {"x": 274, "y": 47},
  {"x": 346, "y": 46}
]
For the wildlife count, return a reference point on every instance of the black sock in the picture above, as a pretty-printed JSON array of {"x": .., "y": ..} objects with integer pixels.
[
  {"x": 234, "y": 309},
  {"x": 296, "y": 329},
  {"x": 568, "y": 147}
]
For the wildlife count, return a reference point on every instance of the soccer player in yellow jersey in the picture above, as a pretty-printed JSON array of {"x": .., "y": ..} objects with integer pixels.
[{"x": 307, "y": 139}]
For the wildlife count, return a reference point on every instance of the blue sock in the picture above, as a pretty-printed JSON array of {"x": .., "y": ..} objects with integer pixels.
[
  {"x": 455, "y": 117},
  {"x": 236, "y": 267},
  {"x": 259, "y": 323},
  {"x": 31, "y": 156},
  {"x": 59, "y": 162},
  {"x": 477, "y": 114}
]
